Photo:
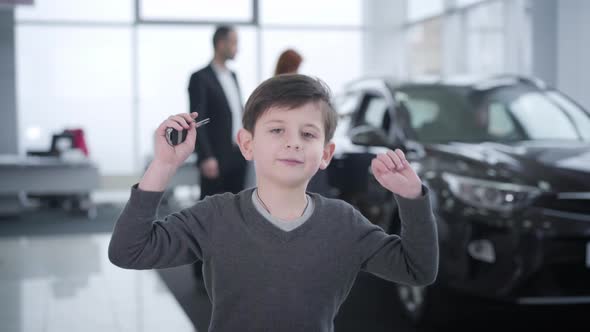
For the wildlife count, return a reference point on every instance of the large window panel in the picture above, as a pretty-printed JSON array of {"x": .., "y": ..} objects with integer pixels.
[
  {"x": 421, "y": 9},
  {"x": 424, "y": 48},
  {"x": 464, "y": 3},
  {"x": 246, "y": 62},
  {"x": 167, "y": 56},
  {"x": 311, "y": 12},
  {"x": 197, "y": 10},
  {"x": 333, "y": 56},
  {"x": 77, "y": 77},
  {"x": 485, "y": 39},
  {"x": 120, "y": 11}
]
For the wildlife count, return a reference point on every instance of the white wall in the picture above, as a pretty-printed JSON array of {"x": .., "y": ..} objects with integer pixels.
[
  {"x": 561, "y": 46},
  {"x": 573, "y": 49}
]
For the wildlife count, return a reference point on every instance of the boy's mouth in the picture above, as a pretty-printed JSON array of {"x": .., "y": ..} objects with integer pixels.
[{"x": 290, "y": 161}]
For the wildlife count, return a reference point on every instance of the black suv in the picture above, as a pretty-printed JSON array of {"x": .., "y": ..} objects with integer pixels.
[{"x": 508, "y": 163}]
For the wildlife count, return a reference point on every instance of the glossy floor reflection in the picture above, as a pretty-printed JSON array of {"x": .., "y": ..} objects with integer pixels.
[
  {"x": 370, "y": 307},
  {"x": 64, "y": 283}
]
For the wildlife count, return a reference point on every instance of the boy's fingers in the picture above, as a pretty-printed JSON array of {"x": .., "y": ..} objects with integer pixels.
[
  {"x": 181, "y": 120},
  {"x": 401, "y": 156},
  {"x": 386, "y": 160},
  {"x": 396, "y": 159},
  {"x": 187, "y": 117},
  {"x": 379, "y": 167},
  {"x": 173, "y": 124}
]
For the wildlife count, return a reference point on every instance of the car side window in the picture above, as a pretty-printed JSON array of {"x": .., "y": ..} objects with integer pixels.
[
  {"x": 500, "y": 124},
  {"x": 424, "y": 115},
  {"x": 346, "y": 104},
  {"x": 374, "y": 112},
  {"x": 423, "y": 111},
  {"x": 435, "y": 114}
]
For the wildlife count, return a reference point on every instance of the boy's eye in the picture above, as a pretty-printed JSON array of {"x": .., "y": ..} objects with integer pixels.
[
  {"x": 308, "y": 135},
  {"x": 276, "y": 130}
]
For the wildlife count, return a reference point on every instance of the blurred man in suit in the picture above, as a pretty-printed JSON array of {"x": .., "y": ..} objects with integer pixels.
[{"x": 214, "y": 93}]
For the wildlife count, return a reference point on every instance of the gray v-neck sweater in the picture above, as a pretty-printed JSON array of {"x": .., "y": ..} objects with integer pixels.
[
  {"x": 285, "y": 225},
  {"x": 261, "y": 278}
]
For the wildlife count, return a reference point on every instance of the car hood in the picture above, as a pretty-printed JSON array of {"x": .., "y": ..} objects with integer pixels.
[{"x": 564, "y": 165}]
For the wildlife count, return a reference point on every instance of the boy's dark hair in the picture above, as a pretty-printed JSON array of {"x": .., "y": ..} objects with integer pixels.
[
  {"x": 290, "y": 91},
  {"x": 221, "y": 33}
]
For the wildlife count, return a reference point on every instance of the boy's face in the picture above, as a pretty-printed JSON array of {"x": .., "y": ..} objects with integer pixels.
[{"x": 288, "y": 146}]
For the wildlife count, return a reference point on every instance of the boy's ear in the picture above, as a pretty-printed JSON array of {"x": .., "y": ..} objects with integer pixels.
[
  {"x": 245, "y": 143},
  {"x": 327, "y": 155}
]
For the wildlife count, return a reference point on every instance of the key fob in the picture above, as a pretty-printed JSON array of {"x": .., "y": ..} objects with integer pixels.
[{"x": 174, "y": 137}]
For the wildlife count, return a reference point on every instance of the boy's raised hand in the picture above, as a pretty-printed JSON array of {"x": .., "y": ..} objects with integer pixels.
[
  {"x": 175, "y": 155},
  {"x": 392, "y": 171}
]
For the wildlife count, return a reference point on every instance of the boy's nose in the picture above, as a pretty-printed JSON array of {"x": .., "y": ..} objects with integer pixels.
[
  {"x": 295, "y": 146},
  {"x": 293, "y": 141}
]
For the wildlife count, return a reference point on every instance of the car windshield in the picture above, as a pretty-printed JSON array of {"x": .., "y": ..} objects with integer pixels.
[{"x": 505, "y": 114}]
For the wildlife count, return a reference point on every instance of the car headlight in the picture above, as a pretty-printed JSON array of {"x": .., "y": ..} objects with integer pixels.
[{"x": 498, "y": 196}]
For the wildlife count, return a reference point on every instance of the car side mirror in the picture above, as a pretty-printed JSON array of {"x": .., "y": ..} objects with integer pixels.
[{"x": 369, "y": 136}]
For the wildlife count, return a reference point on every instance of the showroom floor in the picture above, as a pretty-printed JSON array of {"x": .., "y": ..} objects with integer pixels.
[{"x": 55, "y": 276}]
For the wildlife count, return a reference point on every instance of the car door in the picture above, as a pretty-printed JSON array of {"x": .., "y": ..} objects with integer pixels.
[
  {"x": 346, "y": 105},
  {"x": 350, "y": 170}
]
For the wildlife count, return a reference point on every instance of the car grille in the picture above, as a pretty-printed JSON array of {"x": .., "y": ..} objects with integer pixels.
[
  {"x": 570, "y": 250},
  {"x": 558, "y": 280},
  {"x": 566, "y": 203}
]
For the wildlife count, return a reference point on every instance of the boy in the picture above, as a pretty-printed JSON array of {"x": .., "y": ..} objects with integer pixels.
[{"x": 276, "y": 258}]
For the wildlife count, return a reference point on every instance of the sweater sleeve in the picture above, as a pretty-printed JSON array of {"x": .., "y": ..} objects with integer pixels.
[
  {"x": 410, "y": 258},
  {"x": 140, "y": 241}
]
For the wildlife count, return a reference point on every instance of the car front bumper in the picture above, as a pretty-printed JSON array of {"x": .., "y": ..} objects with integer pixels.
[{"x": 538, "y": 257}]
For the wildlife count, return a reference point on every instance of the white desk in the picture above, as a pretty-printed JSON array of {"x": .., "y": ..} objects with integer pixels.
[{"x": 33, "y": 175}]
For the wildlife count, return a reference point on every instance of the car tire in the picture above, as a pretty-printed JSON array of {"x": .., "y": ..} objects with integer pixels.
[
  {"x": 426, "y": 306},
  {"x": 413, "y": 301}
]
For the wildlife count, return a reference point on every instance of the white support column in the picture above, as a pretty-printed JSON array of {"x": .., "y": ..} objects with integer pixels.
[
  {"x": 573, "y": 49},
  {"x": 544, "y": 38},
  {"x": 8, "y": 111},
  {"x": 454, "y": 49},
  {"x": 383, "y": 44},
  {"x": 517, "y": 41}
]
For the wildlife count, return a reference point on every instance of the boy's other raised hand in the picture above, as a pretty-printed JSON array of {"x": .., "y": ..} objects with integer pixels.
[
  {"x": 175, "y": 155},
  {"x": 392, "y": 171}
]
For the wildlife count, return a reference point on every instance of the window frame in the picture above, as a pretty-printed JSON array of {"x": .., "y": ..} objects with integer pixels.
[{"x": 254, "y": 20}]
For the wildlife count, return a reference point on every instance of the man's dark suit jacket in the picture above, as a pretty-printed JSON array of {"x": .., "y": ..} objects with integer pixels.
[{"x": 215, "y": 139}]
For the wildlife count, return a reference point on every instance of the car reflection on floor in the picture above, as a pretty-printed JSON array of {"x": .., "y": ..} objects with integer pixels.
[{"x": 370, "y": 307}]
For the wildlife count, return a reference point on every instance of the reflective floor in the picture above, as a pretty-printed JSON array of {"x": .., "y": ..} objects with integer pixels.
[
  {"x": 55, "y": 276},
  {"x": 66, "y": 283},
  {"x": 371, "y": 307}
]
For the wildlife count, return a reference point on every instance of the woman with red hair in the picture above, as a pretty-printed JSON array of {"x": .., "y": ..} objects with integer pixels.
[{"x": 288, "y": 62}]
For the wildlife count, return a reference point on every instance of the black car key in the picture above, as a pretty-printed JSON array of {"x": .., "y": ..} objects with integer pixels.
[{"x": 174, "y": 137}]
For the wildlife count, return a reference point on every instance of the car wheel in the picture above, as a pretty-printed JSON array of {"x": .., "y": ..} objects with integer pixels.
[
  {"x": 412, "y": 300},
  {"x": 431, "y": 306}
]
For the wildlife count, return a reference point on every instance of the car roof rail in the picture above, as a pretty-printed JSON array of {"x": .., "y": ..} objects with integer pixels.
[
  {"x": 509, "y": 79},
  {"x": 475, "y": 82},
  {"x": 365, "y": 80}
]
